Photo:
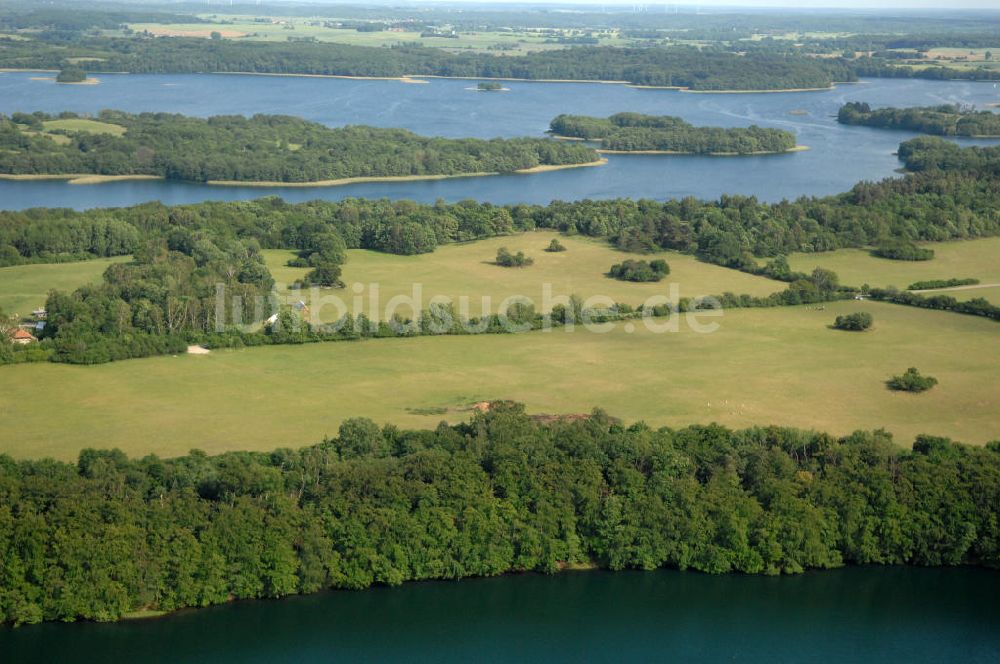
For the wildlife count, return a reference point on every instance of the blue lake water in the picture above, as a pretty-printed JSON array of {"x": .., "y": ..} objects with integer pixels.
[{"x": 839, "y": 156}]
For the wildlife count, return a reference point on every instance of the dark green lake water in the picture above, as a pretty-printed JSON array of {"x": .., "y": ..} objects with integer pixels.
[{"x": 851, "y": 615}]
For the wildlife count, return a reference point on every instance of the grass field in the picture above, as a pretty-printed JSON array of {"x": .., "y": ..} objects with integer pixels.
[
  {"x": 467, "y": 269},
  {"x": 25, "y": 287},
  {"x": 971, "y": 258},
  {"x": 762, "y": 366},
  {"x": 82, "y": 124},
  {"x": 282, "y": 28}
]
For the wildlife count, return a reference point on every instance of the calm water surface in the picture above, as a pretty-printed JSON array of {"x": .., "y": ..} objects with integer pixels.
[
  {"x": 839, "y": 157},
  {"x": 852, "y": 615}
]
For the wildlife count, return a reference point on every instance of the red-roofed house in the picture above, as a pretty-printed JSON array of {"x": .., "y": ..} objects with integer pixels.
[{"x": 20, "y": 336}]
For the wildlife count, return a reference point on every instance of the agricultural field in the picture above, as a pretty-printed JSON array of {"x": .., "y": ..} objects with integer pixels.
[
  {"x": 762, "y": 366},
  {"x": 965, "y": 259},
  {"x": 284, "y": 28},
  {"x": 468, "y": 269},
  {"x": 25, "y": 287}
]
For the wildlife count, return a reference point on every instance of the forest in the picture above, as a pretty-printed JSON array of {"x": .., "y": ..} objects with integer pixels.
[
  {"x": 503, "y": 492},
  {"x": 680, "y": 66},
  {"x": 943, "y": 120},
  {"x": 629, "y": 132},
  {"x": 263, "y": 148}
]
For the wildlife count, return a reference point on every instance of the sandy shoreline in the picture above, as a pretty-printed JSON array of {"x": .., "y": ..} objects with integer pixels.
[
  {"x": 399, "y": 178},
  {"x": 76, "y": 178}
]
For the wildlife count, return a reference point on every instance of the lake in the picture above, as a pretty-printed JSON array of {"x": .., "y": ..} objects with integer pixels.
[
  {"x": 886, "y": 615},
  {"x": 839, "y": 156}
]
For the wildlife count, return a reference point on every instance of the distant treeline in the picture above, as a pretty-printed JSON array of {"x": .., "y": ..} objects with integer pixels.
[
  {"x": 110, "y": 535},
  {"x": 938, "y": 154},
  {"x": 261, "y": 148},
  {"x": 637, "y": 132},
  {"x": 685, "y": 67},
  {"x": 944, "y": 120},
  {"x": 976, "y": 306}
]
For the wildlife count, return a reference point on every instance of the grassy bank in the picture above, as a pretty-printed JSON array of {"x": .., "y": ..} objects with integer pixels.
[
  {"x": 467, "y": 269},
  {"x": 762, "y": 366},
  {"x": 969, "y": 258}
]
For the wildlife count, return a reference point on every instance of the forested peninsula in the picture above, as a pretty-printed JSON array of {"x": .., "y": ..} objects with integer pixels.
[
  {"x": 263, "y": 148},
  {"x": 502, "y": 493},
  {"x": 677, "y": 67},
  {"x": 944, "y": 120},
  {"x": 166, "y": 297},
  {"x": 635, "y": 132}
]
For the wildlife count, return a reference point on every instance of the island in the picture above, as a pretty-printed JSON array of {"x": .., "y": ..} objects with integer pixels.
[
  {"x": 490, "y": 86},
  {"x": 667, "y": 134},
  {"x": 943, "y": 120},
  {"x": 72, "y": 75},
  {"x": 264, "y": 149}
]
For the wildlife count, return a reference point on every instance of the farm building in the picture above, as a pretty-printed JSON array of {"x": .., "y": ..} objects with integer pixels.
[{"x": 21, "y": 336}]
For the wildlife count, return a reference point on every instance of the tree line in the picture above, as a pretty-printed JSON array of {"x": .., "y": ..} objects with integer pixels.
[
  {"x": 630, "y": 132},
  {"x": 679, "y": 66},
  {"x": 503, "y": 492},
  {"x": 942, "y": 120},
  {"x": 274, "y": 148},
  {"x": 953, "y": 196}
]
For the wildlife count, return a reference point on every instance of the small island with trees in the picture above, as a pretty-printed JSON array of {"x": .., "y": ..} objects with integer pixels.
[
  {"x": 261, "y": 150},
  {"x": 491, "y": 86},
  {"x": 666, "y": 134},
  {"x": 73, "y": 75},
  {"x": 943, "y": 120}
]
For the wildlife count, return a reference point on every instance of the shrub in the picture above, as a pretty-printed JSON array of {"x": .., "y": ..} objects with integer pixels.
[
  {"x": 941, "y": 283},
  {"x": 633, "y": 270},
  {"x": 901, "y": 250},
  {"x": 856, "y": 322},
  {"x": 912, "y": 381},
  {"x": 507, "y": 259},
  {"x": 555, "y": 246}
]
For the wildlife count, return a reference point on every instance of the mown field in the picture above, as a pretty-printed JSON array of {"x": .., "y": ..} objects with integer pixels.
[
  {"x": 25, "y": 287},
  {"x": 762, "y": 366},
  {"x": 467, "y": 269},
  {"x": 971, "y": 258}
]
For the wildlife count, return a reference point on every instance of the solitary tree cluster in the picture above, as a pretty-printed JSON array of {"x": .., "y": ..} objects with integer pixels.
[
  {"x": 856, "y": 322},
  {"x": 506, "y": 259},
  {"x": 912, "y": 381},
  {"x": 555, "y": 246},
  {"x": 633, "y": 270}
]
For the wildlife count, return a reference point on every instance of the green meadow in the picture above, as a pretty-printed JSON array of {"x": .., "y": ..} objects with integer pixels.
[
  {"x": 970, "y": 258},
  {"x": 468, "y": 269},
  {"x": 762, "y": 366},
  {"x": 84, "y": 125},
  {"x": 25, "y": 287}
]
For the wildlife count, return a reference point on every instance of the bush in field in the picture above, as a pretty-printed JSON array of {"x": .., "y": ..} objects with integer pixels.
[
  {"x": 856, "y": 322},
  {"x": 912, "y": 381}
]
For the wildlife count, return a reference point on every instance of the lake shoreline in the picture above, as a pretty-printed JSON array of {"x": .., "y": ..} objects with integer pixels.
[
  {"x": 421, "y": 78},
  {"x": 91, "y": 178},
  {"x": 402, "y": 178},
  {"x": 797, "y": 148}
]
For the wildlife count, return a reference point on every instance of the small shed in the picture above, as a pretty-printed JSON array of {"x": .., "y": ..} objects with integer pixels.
[{"x": 22, "y": 336}]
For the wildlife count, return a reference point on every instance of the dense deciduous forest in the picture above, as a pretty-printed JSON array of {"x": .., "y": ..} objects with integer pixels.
[
  {"x": 685, "y": 67},
  {"x": 501, "y": 493},
  {"x": 630, "y": 132},
  {"x": 276, "y": 148},
  {"x": 944, "y": 120}
]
